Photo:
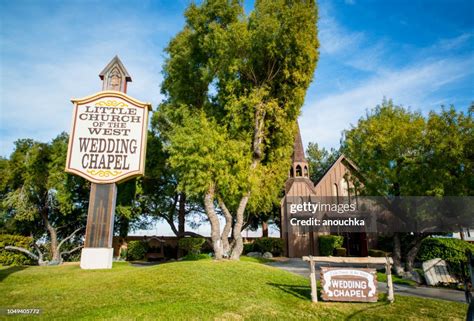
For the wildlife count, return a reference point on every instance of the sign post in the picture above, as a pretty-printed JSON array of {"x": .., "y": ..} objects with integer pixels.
[{"x": 107, "y": 146}]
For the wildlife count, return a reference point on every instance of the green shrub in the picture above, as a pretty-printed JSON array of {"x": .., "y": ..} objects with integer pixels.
[
  {"x": 9, "y": 257},
  {"x": 191, "y": 244},
  {"x": 136, "y": 250},
  {"x": 74, "y": 256},
  {"x": 377, "y": 253},
  {"x": 328, "y": 243},
  {"x": 268, "y": 244},
  {"x": 248, "y": 247},
  {"x": 123, "y": 254},
  {"x": 340, "y": 251},
  {"x": 453, "y": 251}
]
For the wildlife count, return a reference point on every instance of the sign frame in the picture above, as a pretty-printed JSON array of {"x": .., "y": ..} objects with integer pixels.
[
  {"x": 144, "y": 133},
  {"x": 313, "y": 260},
  {"x": 348, "y": 274}
]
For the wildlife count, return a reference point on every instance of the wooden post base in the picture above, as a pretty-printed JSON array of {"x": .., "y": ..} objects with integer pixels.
[{"x": 100, "y": 227}]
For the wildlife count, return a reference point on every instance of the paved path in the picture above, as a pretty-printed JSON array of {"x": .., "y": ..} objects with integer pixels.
[{"x": 300, "y": 267}]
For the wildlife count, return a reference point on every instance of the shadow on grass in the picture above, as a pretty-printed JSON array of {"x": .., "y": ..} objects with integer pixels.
[
  {"x": 4, "y": 273},
  {"x": 356, "y": 315},
  {"x": 299, "y": 291}
]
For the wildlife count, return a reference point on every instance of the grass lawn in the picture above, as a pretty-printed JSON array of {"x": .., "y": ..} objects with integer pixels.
[
  {"x": 195, "y": 290},
  {"x": 382, "y": 277}
]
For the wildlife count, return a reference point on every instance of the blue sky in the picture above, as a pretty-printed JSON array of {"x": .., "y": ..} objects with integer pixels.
[{"x": 419, "y": 53}]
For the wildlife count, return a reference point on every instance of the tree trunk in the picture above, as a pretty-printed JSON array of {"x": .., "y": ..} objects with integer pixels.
[
  {"x": 181, "y": 214},
  {"x": 53, "y": 235},
  {"x": 124, "y": 226},
  {"x": 181, "y": 220},
  {"x": 258, "y": 135},
  {"x": 238, "y": 247},
  {"x": 397, "y": 255},
  {"x": 214, "y": 220},
  {"x": 227, "y": 227},
  {"x": 264, "y": 229},
  {"x": 411, "y": 255}
]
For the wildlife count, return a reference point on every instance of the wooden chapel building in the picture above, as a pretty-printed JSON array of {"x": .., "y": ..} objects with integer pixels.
[{"x": 334, "y": 183}]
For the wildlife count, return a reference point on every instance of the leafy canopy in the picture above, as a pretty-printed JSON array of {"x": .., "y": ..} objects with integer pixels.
[{"x": 235, "y": 85}]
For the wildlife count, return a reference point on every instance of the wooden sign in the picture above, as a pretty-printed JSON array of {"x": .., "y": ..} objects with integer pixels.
[
  {"x": 349, "y": 284},
  {"x": 108, "y": 137}
]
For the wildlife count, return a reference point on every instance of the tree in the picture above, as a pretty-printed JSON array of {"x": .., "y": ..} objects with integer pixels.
[
  {"x": 400, "y": 153},
  {"x": 159, "y": 196},
  {"x": 128, "y": 210},
  {"x": 320, "y": 160},
  {"x": 41, "y": 197},
  {"x": 234, "y": 86}
]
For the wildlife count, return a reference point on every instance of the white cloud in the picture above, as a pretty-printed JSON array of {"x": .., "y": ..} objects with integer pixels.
[
  {"x": 412, "y": 79},
  {"x": 352, "y": 48},
  {"x": 323, "y": 120},
  {"x": 333, "y": 38},
  {"x": 36, "y": 89}
]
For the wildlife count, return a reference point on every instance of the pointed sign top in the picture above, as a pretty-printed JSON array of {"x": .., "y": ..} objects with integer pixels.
[
  {"x": 115, "y": 61},
  {"x": 115, "y": 76}
]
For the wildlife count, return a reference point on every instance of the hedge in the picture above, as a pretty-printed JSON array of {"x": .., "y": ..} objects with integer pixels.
[
  {"x": 136, "y": 250},
  {"x": 268, "y": 244},
  {"x": 8, "y": 257},
  {"x": 192, "y": 245},
  {"x": 341, "y": 251},
  {"x": 377, "y": 253},
  {"x": 328, "y": 243},
  {"x": 248, "y": 247},
  {"x": 453, "y": 251}
]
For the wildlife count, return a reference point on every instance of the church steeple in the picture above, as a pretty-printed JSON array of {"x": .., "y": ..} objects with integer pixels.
[{"x": 299, "y": 166}]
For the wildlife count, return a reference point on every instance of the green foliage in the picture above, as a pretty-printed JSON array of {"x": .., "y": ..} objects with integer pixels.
[
  {"x": 248, "y": 247},
  {"x": 319, "y": 160},
  {"x": 192, "y": 245},
  {"x": 400, "y": 153},
  {"x": 123, "y": 254},
  {"x": 328, "y": 243},
  {"x": 268, "y": 244},
  {"x": 377, "y": 253},
  {"x": 340, "y": 251},
  {"x": 228, "y": 76},
  {"x": 8, "y": 257},
  {"x": 136, "y": 250},
  {"x": 453, "y": 251},
  {"x": 386, "y": 146},
  {"x": 71, "y": 257},
  {"x": 35, "y": 187}
]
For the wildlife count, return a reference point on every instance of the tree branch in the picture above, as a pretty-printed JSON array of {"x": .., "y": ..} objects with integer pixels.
[
  {"x": 23, "y": 250},
  {"x": 73, "y": 250},
  {"x": 40, "y": 253},
  {"x": 69, "y": 237},
  {"x": 227, "y": 226}
]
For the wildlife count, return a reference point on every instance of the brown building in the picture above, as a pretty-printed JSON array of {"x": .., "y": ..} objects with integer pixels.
[{"x": 335, "y": 183}]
